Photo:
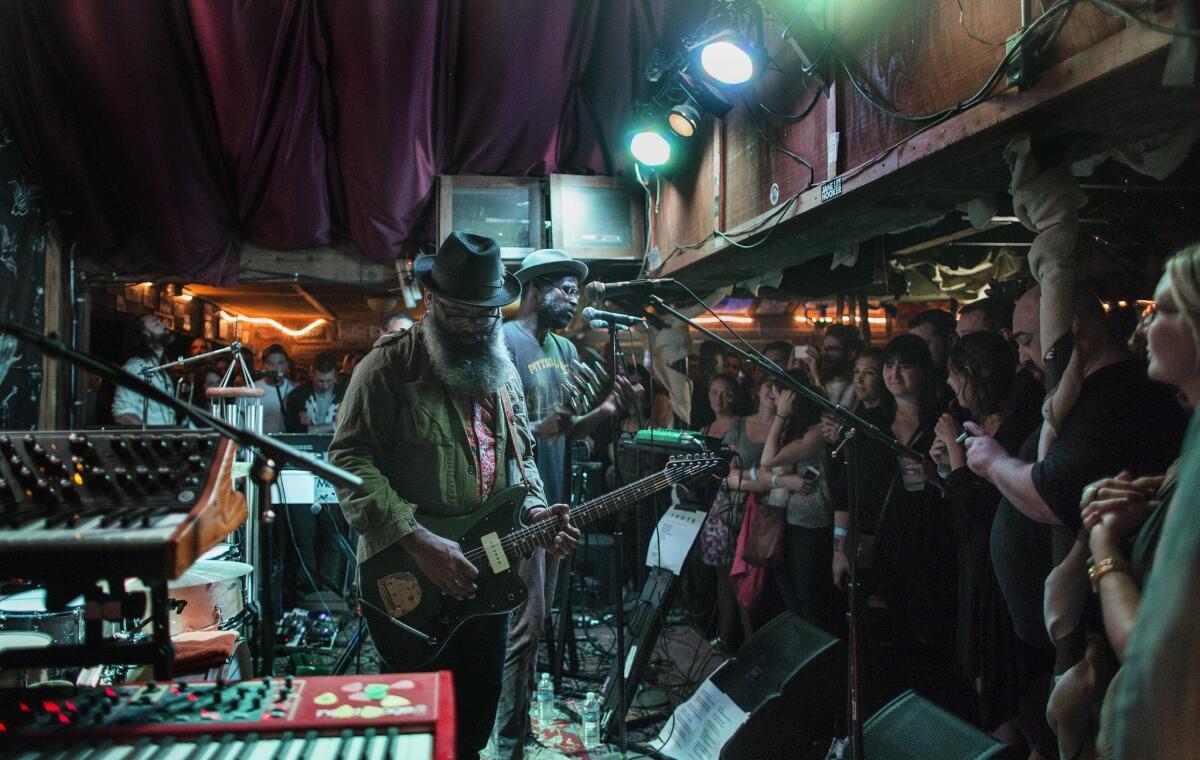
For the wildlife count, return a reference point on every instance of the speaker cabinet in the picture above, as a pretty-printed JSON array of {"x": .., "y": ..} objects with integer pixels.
[
  {"x": 912, "y": 728},
  {"x": 789, "y": 676}
]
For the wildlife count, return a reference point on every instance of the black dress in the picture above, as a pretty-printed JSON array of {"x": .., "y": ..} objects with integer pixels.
[
  {"x": 908, "y": 644},
  {"x": 986, "y": 641}
]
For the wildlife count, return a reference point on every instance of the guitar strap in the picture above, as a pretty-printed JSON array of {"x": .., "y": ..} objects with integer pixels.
[{"x": 517, "y": 445}]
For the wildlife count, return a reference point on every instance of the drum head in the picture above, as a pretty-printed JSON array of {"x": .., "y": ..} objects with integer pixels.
[
  {"x": 203, "y": 572},
  {"x": 31, "y": 602},
  {"x": 220, "y": 552},
  {"x": 24, "y": 640}
]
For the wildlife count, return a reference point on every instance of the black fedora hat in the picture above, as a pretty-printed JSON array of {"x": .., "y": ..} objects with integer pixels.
[{"x": 467, "y": 269}]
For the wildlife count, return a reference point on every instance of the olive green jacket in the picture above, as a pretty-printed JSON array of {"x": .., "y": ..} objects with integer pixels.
[{"x": 403, "y": 433}]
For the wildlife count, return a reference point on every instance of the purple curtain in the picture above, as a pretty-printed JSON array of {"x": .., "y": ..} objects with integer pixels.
[{"x": 197, "y": 125}]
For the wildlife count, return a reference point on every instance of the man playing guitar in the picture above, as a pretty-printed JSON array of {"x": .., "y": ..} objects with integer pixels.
[{"x": 434, "y": 422}]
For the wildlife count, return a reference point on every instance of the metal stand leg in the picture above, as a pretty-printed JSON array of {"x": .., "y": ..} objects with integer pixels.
[{"x": 263, "y": 473}]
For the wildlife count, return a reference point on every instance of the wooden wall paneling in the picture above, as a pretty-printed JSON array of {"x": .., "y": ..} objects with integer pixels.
[
  {"x": 689, "y": 206},
  {"x": 919, "y": 58},
  {"x": 752, "y": 164}
]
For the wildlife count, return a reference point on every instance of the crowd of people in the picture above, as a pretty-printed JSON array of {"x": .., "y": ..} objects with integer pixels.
[{"x": 973, "y": 562}]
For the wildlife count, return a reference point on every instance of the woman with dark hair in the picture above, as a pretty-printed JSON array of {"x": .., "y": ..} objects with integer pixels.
[
  {"x": 982, "y": 369},
  {"x": 795, "y": 449},
  {"x": 906, "y": 547}
]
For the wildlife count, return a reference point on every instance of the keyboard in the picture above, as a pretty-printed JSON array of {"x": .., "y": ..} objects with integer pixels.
[
  {"x": 127, "y": 503},
  {"x": 397, "y": 715}
]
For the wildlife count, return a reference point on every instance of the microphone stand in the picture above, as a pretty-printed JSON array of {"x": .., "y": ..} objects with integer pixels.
[
  {"x": 853, "y": 428},
  {"x": 269, "y": 456},
  {"x": 614, "y": 347}
]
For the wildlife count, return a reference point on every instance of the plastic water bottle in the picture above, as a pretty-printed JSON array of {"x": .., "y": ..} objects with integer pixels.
[
  {"x": 591, "y": 721},
  {"x": 545, "y": 700}
]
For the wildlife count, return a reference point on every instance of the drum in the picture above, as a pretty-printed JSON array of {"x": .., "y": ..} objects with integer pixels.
[
  {"x": 23, "y": 640},
  {"x": 223, "y": 553},
  {"x": 26, "y": 611},
  {"x": 214, "y": 592}
]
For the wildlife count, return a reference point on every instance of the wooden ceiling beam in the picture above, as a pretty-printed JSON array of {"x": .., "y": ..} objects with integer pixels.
[{"x": 1065, "y": 101}]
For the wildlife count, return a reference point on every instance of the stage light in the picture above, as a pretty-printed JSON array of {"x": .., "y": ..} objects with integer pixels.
[
  {"x": 684, "y": 120},
  {"x": 650, "y": 148},
  {"x": 726, "y": 61},
  {"x": 706, "y": 96}
]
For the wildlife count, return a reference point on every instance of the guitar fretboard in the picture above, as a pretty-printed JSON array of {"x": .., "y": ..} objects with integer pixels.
[{"x": 521, "y": 542}]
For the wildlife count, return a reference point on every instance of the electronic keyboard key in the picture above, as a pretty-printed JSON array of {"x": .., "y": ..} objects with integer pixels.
[
  {"x": 293, "y": 748},
  {"x": 415, "y": 745},
  {"x": 326, "y": 748},
  {"x": 262, "y": 749},
  {"x": 355, "y": 747}
]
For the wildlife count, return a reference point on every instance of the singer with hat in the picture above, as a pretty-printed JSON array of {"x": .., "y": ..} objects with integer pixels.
[
  {"x": 550, "y": 280},
  {"x": 434, "y": 422}
]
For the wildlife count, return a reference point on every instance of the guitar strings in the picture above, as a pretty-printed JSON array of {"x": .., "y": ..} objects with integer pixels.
[
  {"x": 532, "y": 536},
  {"x": 518, "y": 538}
]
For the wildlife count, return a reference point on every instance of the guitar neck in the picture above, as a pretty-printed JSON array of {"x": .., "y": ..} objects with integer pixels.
[{"x": 588, "y": 512}]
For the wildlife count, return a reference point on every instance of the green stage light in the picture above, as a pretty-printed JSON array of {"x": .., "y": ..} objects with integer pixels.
[{"x": 650, "y": 148}]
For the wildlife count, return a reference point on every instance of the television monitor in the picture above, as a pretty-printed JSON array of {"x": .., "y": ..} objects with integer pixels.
[
  {"x": 507, "y": 209},
  {"x": 596, "y": 217}
]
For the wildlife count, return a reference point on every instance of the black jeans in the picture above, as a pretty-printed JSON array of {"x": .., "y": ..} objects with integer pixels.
[
  {"x": 475, "y": 655},
  {"x": 808, "y": 579}
]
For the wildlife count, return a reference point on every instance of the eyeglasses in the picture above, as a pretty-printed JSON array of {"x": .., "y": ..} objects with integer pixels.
[{"x": 459, "y": 319}]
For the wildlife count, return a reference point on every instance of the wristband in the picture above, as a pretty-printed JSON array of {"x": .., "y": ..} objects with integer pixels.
[
  {"x": 775, "y": 480},
  {"x": 840, "y": 532},
  {"x": 754, "y": 473}
]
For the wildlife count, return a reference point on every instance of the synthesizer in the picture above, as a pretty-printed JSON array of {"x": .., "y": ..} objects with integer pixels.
[
  {"x": 115, "y": 503},
  {"x": 396, "y": 715}
]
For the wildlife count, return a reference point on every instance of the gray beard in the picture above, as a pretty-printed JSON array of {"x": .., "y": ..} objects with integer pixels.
[{"x": 467, "y": 370}]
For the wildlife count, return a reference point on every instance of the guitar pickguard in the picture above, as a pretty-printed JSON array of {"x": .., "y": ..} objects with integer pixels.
[{"x": 400, "y": 592}]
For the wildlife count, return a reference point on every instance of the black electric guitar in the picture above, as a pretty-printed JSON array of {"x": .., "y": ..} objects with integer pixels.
[{"x": 410, "y": 620}]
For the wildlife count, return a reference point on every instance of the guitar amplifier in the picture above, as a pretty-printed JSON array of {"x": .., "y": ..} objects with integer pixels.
[{"x": 301, "y": 487}]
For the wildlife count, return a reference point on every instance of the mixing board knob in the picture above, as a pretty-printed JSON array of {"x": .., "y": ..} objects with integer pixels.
[
  {"x": 195, "y": 462},
  {"x": 141, "y": 445},
  {"x": 37, "y": 451},
  {"x": 26, "y": 476},
  {"x": 183, "y": 444},
  {"x": 7, "y": 498},
  {"x": 6, "y": 446},
  {"x": 101, "y": 480},
  {"x": 69, "y": 492},
  {"x": 121, "y": 446},
  {"x": 145, "y": 477},
  {"x": 124, "y": 478},
  {"x": 81, "y": 446},
  {"x": 43, "y": 495},
  {"x": 166, "y": 476}
]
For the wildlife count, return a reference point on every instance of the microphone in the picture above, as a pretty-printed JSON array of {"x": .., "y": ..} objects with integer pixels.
[
  {"x": 611, "y": 317},
  {"x": 598, "y": 291},
  {"x": 315, "y": 508}
]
